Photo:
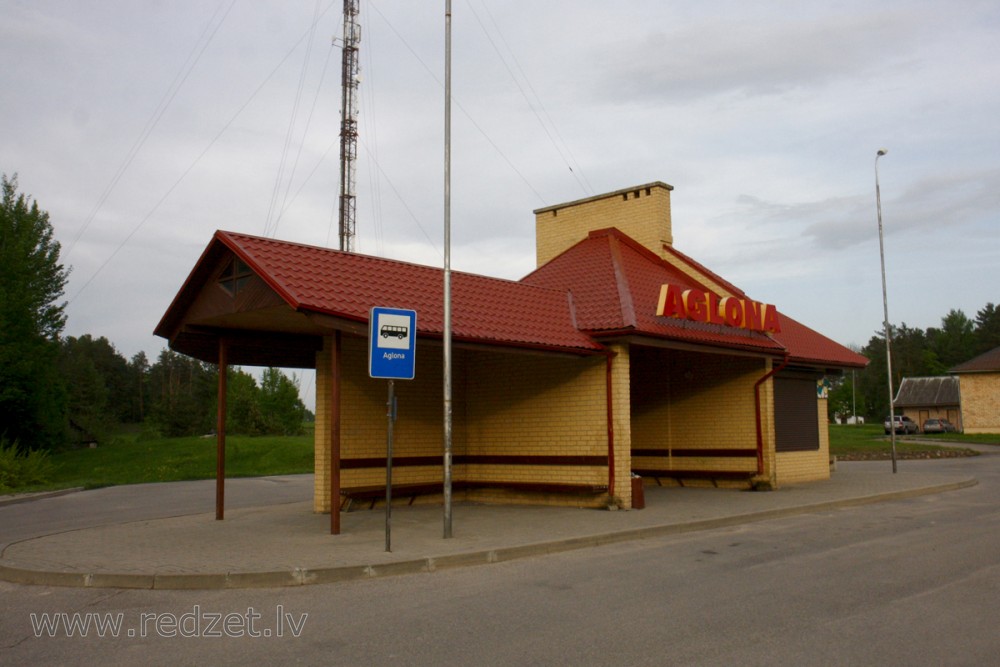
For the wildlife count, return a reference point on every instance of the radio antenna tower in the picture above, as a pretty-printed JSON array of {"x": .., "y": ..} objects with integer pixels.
[{"x": 349, "y": 123}]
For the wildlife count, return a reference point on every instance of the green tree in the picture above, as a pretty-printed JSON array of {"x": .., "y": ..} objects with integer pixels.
[
  {"x": 987, "y": 329},
  {"x": 138, "y": 369},
  {"x": 86, "y": 394},
  {"x": 32, "y": 280},
  {"x": 280, "y": 404},
  {"x": 954, "y": 342},
  {"x": 182, "y": 394},
  {"x": 111, "y": 369},
  {"x": 243, "y": 413}
]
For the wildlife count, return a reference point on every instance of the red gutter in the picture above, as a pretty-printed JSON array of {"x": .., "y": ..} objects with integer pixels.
[
  {"x": 611, "y": 426},
  {"x": 756, "y": 404}
]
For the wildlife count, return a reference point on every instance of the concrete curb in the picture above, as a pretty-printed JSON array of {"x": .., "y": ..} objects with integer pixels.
[
  {"x": 19, "y": 498},
  {"x": 306, "y": 576}
]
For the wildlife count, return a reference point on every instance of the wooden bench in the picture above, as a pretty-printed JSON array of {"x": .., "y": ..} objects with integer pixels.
[
  {"x": 713, "y": 475},
  {"x": 679, "y": 475},
  {"x": 411, "y": 491},
  {"x": 376, "y": 493}
]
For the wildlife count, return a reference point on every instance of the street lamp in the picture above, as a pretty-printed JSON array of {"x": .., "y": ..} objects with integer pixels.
[{"x": 885, "y": 308}]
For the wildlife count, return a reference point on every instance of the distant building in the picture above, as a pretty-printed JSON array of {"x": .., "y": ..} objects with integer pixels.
[
  {"x": 979, "y": 382},
  {"x": 924, "y": 398}
]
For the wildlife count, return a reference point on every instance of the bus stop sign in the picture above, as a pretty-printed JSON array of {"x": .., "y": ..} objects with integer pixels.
[{"x": 392, "y": 343}]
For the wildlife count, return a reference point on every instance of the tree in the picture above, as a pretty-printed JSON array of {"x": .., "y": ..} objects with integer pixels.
[
  {"x": 32, "y": 280},
  {"x": 280, "y": 404},
  {"x": 954, "y": 342},
  {"x": 138, "y": 370},
  {"x": 86, "y": 393},
  {"x": 182, "y": 395},
  {"x": 243, "y": 414},
  {"x": 987, "y": 329}
]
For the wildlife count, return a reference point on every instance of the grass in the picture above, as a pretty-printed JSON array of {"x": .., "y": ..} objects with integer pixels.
[
  {"x": 129, "y": 459},
  {"x": 869, "y": 441}
]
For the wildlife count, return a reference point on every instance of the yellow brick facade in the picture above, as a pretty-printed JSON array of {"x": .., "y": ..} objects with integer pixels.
[
  {"x": 504, "y": 403},
  {"x": 642, "y": 212},
  {"x": 688, "y": 400},
  {"x": 532, "y": 404},
  {"x": 980, "y": 402}
]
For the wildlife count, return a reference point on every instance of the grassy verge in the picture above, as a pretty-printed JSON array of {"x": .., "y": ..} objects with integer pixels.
[
  {"x": 869, "y": 442},
  {"x": 130, "y": 460}
]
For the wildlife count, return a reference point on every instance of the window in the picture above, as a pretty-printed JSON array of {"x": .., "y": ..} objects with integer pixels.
[
  {"x": 235, "y": 276},
  {"x": 796, "y": 414}
]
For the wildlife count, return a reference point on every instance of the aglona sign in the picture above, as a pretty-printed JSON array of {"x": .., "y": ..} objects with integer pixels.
[{"x": 702, "y": 306}]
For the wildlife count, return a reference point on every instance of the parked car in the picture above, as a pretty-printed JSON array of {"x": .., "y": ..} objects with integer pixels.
[
  {"x": 904, "y": 425},
  {"x": 939, "y": 426}
]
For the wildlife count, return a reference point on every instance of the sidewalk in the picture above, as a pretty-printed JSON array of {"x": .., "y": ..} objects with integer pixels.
[{"x": 269, "y": 545}]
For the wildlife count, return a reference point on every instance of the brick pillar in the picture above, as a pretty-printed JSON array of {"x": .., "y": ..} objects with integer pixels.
[
  {"x": 621, "y": 401},
  {"x": 325, "y": 421},
  {"x": 767, "y": 426}
]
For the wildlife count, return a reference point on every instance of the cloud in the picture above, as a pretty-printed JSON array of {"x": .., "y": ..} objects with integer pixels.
[{"x": 738, "y": 56}]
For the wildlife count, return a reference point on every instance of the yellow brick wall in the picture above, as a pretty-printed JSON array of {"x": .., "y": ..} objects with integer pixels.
[
  {"x": 418, "y": 431},
  {"x": 980, "y": 394},
  {"x": 795, "y": 467},
  {"x": 642, "y": 213},
  {"x": 528, "y": 404},
  {"x": 690, "y": 400},
  {"x": 503, "y": 403}
]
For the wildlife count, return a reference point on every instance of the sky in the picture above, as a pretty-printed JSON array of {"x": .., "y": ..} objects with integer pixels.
[{"x": 143, "y": 126}]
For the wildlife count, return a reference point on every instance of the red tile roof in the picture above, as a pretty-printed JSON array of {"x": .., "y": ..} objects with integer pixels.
[
  {"x": 988, "y": 362},
  {"x": 607, "y": 285},
  {"x": 348, "y": 285},
  {"x": 616, "y": 283}
]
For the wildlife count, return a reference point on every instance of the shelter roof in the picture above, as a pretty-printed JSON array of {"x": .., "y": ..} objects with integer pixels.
[
  {"x": 605, "y": 286},
  {"x": 346, "y": 286}
]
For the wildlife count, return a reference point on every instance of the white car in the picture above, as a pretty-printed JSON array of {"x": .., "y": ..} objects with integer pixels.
[{"x": 904, "y": 425}]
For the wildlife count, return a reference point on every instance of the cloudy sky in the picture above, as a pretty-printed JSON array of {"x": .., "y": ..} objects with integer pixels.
[{"x": 143, "y": 126}]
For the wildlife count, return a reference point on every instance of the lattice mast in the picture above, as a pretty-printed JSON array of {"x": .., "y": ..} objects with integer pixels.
[{"x": 349, "y": 123}]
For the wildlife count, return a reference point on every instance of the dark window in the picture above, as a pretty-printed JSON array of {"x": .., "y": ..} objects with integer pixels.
[
  {"x": 796, "y": 415},
  {"x": 235, "y": 276}
]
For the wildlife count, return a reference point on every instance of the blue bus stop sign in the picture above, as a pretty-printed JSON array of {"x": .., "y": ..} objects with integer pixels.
[{"x": 392, "y": 343}]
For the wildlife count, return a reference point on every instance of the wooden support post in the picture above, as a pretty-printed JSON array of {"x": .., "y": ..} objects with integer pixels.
[{"x": 220, "y": 435}]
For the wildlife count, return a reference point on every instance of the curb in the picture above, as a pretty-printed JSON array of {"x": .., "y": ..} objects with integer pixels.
[
  {"x": 17, "y": 499},
  {"x": 307, "y": 577}
]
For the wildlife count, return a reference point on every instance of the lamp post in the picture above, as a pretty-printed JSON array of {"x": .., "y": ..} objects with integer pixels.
[{"x": 885, "y": 308}]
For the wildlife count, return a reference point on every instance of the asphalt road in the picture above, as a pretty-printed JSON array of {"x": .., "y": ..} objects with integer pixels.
[
  {"x": 115, "y": 504},
  {"x": 912, "y": 582}
]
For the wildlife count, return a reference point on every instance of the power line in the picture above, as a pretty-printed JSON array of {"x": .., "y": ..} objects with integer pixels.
[
  {"x": 468, "y": 116},
  {"x": 190, "y": 167},
  {"x": 578, "y": 172},
  {"x": 204, "y": 39},
  {"x": 270, "y": 230}
]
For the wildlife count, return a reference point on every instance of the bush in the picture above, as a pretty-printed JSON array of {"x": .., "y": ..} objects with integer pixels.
[{"x": 20, "y": 470}]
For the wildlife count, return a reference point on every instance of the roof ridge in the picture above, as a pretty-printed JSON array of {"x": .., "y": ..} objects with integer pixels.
[
  {"x": 625, "y": 302},
  {"x": 704, "y": 270}
]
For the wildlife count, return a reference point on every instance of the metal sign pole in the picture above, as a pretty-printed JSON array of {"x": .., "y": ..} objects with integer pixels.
[
  {"x": 391, "y": 415},
  {"x": 447, "y": 273}
]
